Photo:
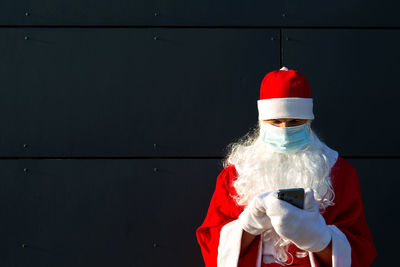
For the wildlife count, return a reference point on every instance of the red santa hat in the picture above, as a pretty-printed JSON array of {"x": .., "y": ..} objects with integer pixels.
[{"x": 285, "y": 93}]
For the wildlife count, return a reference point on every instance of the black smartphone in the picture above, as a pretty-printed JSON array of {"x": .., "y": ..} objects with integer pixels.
[{"x": 294, "y": 196}]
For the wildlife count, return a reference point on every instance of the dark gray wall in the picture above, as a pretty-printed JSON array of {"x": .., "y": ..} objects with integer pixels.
[{"x": 115, "y": 115}]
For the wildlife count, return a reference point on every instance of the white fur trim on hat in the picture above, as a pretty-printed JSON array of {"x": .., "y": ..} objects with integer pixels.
[{"x": 291, "y": 107}]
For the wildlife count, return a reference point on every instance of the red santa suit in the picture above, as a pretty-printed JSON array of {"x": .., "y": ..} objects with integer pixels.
[{"x": 352, "y": 245}]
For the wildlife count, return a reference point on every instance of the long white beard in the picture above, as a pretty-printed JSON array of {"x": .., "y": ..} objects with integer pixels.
[{"x": 261, "y": 170}]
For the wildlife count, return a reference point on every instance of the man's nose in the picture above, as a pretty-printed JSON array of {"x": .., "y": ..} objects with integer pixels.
[{"x": 283, "y": 124}]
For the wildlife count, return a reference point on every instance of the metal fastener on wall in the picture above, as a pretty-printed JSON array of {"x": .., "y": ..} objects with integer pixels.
[
  {"x": 155, "y": 170},
  {"x": 155, "y": 14},
  {"x": 25, "y": 145},
  {"x": 26, "y": 37},
  {"x": 155, "y": 38},
  {"x": 26, "y": 14},
  {"x": 155, "y": 145}
]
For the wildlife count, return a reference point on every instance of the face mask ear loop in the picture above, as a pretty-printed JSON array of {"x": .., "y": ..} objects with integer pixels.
[{"x": 309, "y": 130}]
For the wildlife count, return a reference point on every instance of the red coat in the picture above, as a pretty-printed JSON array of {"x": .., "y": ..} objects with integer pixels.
[{"x": 347, "y": 215}]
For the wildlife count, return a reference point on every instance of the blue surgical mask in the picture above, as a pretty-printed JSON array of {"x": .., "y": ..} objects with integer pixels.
[{"x": 285, "y": 139}]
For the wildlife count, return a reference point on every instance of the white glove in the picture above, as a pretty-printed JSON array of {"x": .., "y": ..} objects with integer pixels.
[
  {"x": 306, "y": 228},
  {"x": 254, "y": 219}
]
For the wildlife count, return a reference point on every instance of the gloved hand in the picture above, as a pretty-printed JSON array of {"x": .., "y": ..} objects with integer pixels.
[
  {"x": 306, "y": 228},
  {"x": 254, "y": 219}
]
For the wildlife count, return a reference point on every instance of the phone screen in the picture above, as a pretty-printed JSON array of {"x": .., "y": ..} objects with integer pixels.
[{"x": 294, "y": 196}]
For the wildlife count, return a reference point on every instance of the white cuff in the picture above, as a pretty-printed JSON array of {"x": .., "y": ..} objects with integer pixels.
[
  {"x": 229, "y": 245},
  {"x": 341, "y": 249},
  {"x": 290, "y": 107}
]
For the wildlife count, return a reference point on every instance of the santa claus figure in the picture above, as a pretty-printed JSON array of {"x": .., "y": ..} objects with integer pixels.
[{"x": 248, "y": 225}]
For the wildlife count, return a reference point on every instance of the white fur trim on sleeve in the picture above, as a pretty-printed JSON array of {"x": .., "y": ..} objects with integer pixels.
[
  {"x": 290, "y": 107},
  {"x": 341, "y": 249},
  {"x": 229, "y": 245},
  {"x": 259, "y": 255}
]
